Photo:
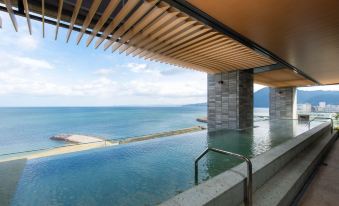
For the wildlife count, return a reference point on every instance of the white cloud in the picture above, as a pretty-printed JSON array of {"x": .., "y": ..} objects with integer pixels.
[
  {"x": 143, "y": 69},
  {"x": 27, "y": 42},
  {"x": 167, "y": 89},
  {"x": 14, "y": 62},
  {"x": 137, "y": 68},
  {"x": 258, "y": 87},
  {"x": 323, "y": 88},
  {"x": 21, "y": 41},
  {"x": 104, "y": 72}
]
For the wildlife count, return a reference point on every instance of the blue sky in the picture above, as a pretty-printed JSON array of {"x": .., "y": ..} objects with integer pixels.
[{"x": 44, "y": 72}]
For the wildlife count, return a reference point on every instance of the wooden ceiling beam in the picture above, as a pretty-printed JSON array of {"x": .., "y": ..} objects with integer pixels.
[
  {"x": 168, "y": 36},
  {"x": 27, "y": 16},
  {"x": 162, "y": 31},
  {"x": 60, "y": 4},
  {"x": 144, "y": 22},
  {"x": 104, "y": 17},
  {"x": 190, "y": 33},
  {"x": 135, "y": 17},
  {"x": 162, "y": 21},
  {"x": 117, "y": 20},
  {"x": 9, "y": 8},
  {"x": 93, "y": 9},
  {"x": 73, "y": 18},
  {"x": 43, "y": 17}
]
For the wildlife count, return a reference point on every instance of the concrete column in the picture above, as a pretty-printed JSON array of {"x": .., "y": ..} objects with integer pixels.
[
  {"x": 283, "y": 103},
  {"x": 230, "y": 100}
]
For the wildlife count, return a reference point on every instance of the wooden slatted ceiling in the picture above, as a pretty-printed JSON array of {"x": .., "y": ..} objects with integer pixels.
[
  {"x": 153, "y": 30},
  {"x": 281, "y": 78}
]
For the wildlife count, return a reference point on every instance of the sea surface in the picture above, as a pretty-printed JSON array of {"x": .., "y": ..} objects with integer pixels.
[{"x": 23, "y": 129}]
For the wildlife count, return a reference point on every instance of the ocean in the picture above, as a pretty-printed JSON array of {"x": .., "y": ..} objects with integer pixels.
[{"x": 23, "y": 129}]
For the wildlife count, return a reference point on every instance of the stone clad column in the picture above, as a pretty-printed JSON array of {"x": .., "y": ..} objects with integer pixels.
[
  {"x": 283, "y": 103},
  {"x": 230, "y": 100}
]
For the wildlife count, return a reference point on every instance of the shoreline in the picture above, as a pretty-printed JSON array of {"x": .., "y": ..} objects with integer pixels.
[{"x": 77, "y": 147}]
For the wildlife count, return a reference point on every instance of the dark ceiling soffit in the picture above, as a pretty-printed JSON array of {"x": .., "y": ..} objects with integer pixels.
[
  {"x": 210, "y": 21},
  {"x": 48, "y": 21},
  {"x": 268, "y": 68}
]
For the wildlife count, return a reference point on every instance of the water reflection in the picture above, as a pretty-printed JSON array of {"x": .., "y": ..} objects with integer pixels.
[
  {"x": 249, "y": 142},
  {"x": 230, "y": 140}
]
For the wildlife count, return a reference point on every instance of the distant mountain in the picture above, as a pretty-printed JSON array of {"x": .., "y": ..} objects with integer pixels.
[
  {"x": 261, "y": 97},
  {"x": 314, "y": 97},
  {"x": 197, "y": 104}
]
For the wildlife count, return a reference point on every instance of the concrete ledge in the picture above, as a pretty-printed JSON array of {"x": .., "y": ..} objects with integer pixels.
[
  {"x": 286, "y": 184},
  {"x": 228, "y": 187}
]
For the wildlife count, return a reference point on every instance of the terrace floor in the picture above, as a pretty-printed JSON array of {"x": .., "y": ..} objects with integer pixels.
[{"x": 324, "y": 187}]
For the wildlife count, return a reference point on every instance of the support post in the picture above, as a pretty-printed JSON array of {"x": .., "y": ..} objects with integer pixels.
[
  {"x": 283, "y": 103},
  {"x": 230, "y": 100}
]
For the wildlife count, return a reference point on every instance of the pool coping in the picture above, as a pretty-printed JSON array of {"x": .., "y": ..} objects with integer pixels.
[{"x": 229, "y": 185}]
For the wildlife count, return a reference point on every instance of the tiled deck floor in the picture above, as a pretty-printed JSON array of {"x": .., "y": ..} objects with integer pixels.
[{"x": 324, "y": 188}]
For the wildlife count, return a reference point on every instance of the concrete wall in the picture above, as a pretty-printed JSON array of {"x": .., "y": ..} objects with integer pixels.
[
  {"x": 283, "y": 103},
  {"x": 230, "y": 100}
]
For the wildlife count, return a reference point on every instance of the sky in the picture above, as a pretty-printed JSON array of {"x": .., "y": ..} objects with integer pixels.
[{"x": 36, "y": 71}]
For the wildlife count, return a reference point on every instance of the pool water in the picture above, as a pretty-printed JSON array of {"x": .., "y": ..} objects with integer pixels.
[{"x": 142, "y": 173}]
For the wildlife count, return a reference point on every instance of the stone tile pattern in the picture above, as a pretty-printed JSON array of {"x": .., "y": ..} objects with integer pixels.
[
  {"x": 283, "y": 103},
  {"x": 230, "y": 104}
]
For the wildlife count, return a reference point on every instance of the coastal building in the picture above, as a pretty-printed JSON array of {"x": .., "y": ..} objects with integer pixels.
[
  {"x": 326, "y": 108},
  {"x": 305, "y": 108},
  {"x": 283, "y": 45}
]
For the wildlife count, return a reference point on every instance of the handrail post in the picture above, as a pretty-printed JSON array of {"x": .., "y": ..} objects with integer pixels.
[
  {"x": 332, "y": 124},
  {"x": 248, "y": 193}
]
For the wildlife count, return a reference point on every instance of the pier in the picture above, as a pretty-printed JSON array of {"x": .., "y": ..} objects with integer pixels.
[{"x": 78, "y": 142}]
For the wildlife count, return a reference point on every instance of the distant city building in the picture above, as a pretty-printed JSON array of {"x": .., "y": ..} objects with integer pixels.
[
  {"x": 305, "y": 108},
  {"x": 322, "y": 104},
  {"x": 322, "y": 107}
]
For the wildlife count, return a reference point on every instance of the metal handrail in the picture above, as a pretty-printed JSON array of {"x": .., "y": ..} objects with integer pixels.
[
  {"x": 309, "y": 122},
  {"x": 248, "y": 193}
]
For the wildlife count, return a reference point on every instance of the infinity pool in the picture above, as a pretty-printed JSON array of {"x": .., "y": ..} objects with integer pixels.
[{"x": 142, "y": 173}]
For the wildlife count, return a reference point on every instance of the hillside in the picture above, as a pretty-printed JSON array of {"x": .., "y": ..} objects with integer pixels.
[{"x": 261, "y": 97}]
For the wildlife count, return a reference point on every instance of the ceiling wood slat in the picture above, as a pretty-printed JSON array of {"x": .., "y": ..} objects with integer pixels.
[
  {"x": 11, "y": 14},
  {"x": 60, "y": 4},
  {"x": 150, "y": 17},
  {"x": 94, "y": 7},
  {"x": 157, "y": 24},
  {"x": 116, "y": 21},
  {"x": 190, "y": 33},
  {"x": 183, "y": 43},
  {"x": 74, "y": 18},
  {"x": 168, "y": 36},
  {"x": 142, "y": 10},
  {"x": 43, "y": 17},
  {"x": 161, "y": 31},
  {"x": 27, "y": 16},
  {"x": 107, "y": 13}
]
